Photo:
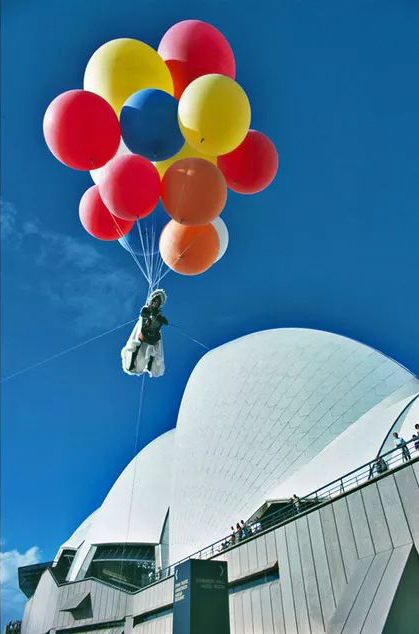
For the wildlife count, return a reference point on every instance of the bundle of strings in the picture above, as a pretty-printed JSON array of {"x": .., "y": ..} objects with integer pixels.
[{"x": 153, "y": 267}]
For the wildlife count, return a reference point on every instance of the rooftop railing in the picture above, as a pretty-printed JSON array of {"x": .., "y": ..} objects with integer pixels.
[{"x": 377, "y": 467}]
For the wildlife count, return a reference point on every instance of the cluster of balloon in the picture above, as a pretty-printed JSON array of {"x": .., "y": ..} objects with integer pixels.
[{"x": 164, "y": 134}]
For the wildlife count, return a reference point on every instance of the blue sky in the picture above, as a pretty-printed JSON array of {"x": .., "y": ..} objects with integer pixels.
[{"x": 332, "y": 244}]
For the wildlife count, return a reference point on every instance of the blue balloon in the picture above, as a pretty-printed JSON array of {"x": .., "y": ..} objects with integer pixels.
[
  {"x": 149, "y": 124},
  {"x": 143, "y": 239}
]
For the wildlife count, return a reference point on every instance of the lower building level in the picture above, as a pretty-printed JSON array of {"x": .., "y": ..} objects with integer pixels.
[{"x": 347, "y": 565}]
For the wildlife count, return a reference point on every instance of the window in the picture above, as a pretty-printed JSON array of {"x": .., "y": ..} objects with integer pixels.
[{"x": 128, "y": 566}]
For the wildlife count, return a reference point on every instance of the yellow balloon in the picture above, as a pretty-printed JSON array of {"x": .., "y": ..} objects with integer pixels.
[
  {"x": 214, "y": 114},
  {"x": 123, "y": 66},
  {"x": 186, "y": 151}
]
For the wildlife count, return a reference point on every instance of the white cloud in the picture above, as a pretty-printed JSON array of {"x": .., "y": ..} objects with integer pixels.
[
  {"x": 8, "y": 220},
  {"x": 75, "y": 276},
  {"x": 11, "y": 560},
  {"x": 13, "y": 600}
]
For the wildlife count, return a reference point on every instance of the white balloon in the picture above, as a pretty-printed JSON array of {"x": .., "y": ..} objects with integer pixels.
[
  {"x": 100, "y": 172},
  {"x": 222, "y": 231}
]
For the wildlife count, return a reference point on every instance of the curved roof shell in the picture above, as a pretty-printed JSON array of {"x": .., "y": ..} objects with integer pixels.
[
  {"x": 256, "y": 410},
  {"x": 135, "y": 508}
]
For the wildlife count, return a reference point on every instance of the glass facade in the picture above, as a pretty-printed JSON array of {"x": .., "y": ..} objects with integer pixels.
[
  {"x": 29, "y": 577},
  {"x": 61, "y": 568},
  {"x": 128, "y": 566}
]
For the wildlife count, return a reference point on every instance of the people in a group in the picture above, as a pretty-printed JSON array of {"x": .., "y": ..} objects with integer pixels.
[
  {"x": 242, "y": 531},
  {"x": 401, "y": 444}
]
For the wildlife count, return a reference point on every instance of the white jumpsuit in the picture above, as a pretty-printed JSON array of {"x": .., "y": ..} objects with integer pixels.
[{"x": 145, "y": 351}]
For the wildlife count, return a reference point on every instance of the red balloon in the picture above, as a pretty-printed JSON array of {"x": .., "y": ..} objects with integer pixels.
[
  {"x": 130, "y": 187},
  {"x": 252, "y": 166},
  {"x": 98, "y": 220},
  {"x": 192, "y": 48},
  {"x": 81, "y": 129}
]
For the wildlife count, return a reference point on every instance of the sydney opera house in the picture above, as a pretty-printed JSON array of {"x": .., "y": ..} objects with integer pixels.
[{"x": 270, "y": 415}]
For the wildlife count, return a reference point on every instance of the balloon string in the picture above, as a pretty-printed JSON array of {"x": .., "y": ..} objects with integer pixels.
[
  {"x": 144, "y": 252},
  {"x": 127, "y": 244},
  {"x": 153, "y": 246},
  {"x": 139, "y": 416},
  {"x": 169, "y": 270},
  {"x": 151, "y": 240},
  {"x": 160, "y": 271},
  {"x": 159, "y": 264},
  {"x": 154, "y": 256},
  {"x": 124, "y": 239},
  {"x": 138, "y": 225},
  {"x": 63, "y": 352},
  {"x": 157, "y": 257},
  {"x": 150, "y": 248}
]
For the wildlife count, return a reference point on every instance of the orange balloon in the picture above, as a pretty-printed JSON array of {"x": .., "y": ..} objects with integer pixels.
[
  {"x": 189, "y": 250},
  {"x": 194, "y": 191}
]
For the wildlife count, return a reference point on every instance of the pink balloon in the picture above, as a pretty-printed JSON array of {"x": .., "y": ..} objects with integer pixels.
[
  {"x": 98, "y": 220},
  {"x": 130, "y": 187}
]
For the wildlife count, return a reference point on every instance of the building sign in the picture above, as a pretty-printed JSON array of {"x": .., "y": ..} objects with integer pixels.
[{"x": 200, "y": 598}]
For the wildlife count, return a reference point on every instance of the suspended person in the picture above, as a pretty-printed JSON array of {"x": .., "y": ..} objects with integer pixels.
[{"x": 143, "y": 351}]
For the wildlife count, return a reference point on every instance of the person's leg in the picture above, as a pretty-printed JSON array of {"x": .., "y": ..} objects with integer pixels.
[
  {"x": 134, "y": 356},
  {"x": 150, "y": 363}
]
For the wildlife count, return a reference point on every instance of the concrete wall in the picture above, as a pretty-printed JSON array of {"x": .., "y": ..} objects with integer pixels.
[
  {"x": 44, "y": 610},
  {"x": 154, "y": 597},
  {"x": 162, "y": 625},
  {"x": 349, "y": 567},
  {"x": 340, "y": 566}
]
